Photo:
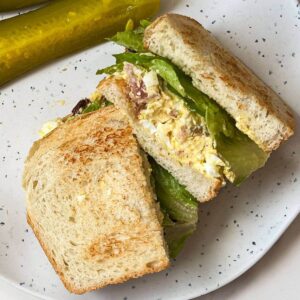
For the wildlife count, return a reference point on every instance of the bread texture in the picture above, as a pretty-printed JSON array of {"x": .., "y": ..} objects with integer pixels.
[
  {"x": 90, "y": 203},
  {"x": 257, "y": 110},
  {"x": 201, "y": 187}
]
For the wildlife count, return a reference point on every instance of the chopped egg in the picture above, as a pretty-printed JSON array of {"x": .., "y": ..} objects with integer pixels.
[
  {"x": 48, "y": 127},
  {"x": 149, "y": 126},
  {"x": 151, "y": 83},
  {"x": 212, "y": 165}
]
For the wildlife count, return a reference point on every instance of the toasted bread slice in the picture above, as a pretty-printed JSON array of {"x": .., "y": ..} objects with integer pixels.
[
  {"x": 257, "y": 110},
  {"x": 90, "y": 203},
  {"x": 201, "y": 187}
]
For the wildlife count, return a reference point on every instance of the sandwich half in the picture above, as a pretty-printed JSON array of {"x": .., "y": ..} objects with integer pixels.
[
  {"x": 257, "y": 110},
  {"x": 196, "y": 109},
  {"x": 90, "y": 202}
]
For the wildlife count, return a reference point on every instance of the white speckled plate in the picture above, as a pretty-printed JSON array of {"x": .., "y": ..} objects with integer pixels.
[{"x": 236, "y": 229}]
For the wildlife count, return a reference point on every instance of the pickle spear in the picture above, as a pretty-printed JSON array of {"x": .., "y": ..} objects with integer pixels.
[
  {"x": 62, "y": 27},
  {"x": 7, "y": 5}
]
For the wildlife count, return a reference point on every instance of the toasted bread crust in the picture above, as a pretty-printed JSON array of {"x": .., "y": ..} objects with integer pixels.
[
  {"x": 257, "y": 110},
  {"x": 97, "y": 232},
  {"x": 71, "y": 288}
]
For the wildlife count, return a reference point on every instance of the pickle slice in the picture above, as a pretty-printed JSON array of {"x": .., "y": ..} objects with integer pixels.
[
  {"x": 8, "y": 5},
  {"x": 63, "y": 27}
]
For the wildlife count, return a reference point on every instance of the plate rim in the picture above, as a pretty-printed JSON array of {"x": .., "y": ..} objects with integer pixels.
[{"x": 192, "y": 295}]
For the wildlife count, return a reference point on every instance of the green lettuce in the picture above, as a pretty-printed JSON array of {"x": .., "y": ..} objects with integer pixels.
[
  {"x": 174, "y": 198},
  {"x": 129, "y": 39},
  {"x": 95, "y": 105},
  {"x": 111, "y": 69},
  {"x": 179, "y": 207},
  {"x": 241, "y": 155},
  {"x": 168, "y": 73},
  {"x": 132, "y": 39},
  {"x": 176, "y": 236}
]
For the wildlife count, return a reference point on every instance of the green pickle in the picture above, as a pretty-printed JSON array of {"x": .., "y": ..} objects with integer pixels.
[
  {"x": 63, "y": 27},
  {"x": 8, "y": 5}
]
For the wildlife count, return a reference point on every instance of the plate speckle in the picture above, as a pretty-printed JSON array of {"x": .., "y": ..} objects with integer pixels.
[{"x": 235, "y": 229}]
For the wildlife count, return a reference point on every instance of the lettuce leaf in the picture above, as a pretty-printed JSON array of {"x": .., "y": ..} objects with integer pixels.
[
  {"x": 239, "y": 152},
  {"x": 111, "y": 69},
  {"x": 140, "y": 59},
  {"x": 176, "y": 236},
  {"x": 132, "y": 39},
  {"x": 174, "y": 198},
  {"x": 129, "y": 39},
  {"x": 179, "y": 207},
  {"x": 95, "y": 105},
  {"x": 168, "y": 73}
]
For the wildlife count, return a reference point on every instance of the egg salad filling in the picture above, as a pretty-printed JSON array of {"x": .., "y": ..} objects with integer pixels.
[
  {"x": 49, "y": 126},
  {"x": 181, "y": 132}
]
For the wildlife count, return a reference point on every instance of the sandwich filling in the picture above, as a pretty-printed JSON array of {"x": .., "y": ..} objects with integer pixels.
[{"x": 181, "y": 132}]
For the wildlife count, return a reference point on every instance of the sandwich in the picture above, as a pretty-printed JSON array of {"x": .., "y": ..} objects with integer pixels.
[
  {"x": 194, "y": 107},
  {"x": 113, "y": 188},
  {"x": 102, "y": 210}
]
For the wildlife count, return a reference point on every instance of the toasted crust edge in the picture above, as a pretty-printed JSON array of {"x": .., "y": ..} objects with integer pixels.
[{"x": 71, "y": 288}]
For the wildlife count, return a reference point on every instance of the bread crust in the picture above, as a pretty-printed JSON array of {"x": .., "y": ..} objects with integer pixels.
[
  {"x": 257, "y": 110},
  {"x": 113, "y": 137},
  {"x": 71, "y": 288}
]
